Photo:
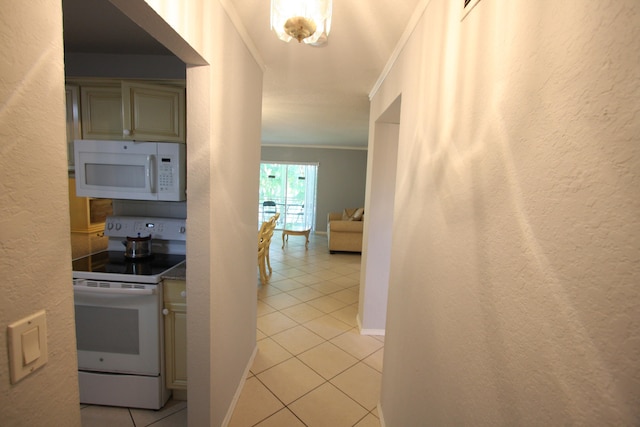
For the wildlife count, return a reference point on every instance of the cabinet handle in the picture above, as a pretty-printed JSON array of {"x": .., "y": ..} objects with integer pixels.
[
  {"x": 126, "y": 132},
  {"x": 165, "y": 311},
  {"x": 183, "y": 294}
]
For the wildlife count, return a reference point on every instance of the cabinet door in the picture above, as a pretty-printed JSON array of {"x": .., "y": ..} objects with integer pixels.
[
  {"x": 175, "y": 334},
  {"x": 101, "y": 112},
  {"x": 73, "y": 120},
  {"x": 153, "y": 112},
  {"x": 176, "y": 347}
]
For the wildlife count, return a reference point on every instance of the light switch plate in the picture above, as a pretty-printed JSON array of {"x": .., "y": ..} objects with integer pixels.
[{"x": 27, "y": 345}]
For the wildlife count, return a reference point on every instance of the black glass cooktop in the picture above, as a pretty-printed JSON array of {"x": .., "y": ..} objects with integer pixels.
[{"x": 116, "y": 262}]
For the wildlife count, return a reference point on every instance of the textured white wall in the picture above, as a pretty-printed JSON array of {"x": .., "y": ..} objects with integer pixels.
[
  {"x": 35, "y": 250},
  {"x": 224, "y": 103},
  {"x": 376, "y": 242},
  {"x": 514, "y": 293}
]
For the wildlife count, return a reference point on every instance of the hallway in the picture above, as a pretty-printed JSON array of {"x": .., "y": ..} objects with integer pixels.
[{"x": 312, "y": 368}]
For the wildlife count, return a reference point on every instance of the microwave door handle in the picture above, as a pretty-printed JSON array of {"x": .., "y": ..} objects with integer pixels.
[{"x": 151, "y": 173}]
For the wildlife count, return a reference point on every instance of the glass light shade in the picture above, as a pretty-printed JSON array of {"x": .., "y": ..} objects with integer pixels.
[{"x": 307, "y": 21}]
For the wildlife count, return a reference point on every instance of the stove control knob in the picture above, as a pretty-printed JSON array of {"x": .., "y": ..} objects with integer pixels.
[{"x": 165, "y": 311}]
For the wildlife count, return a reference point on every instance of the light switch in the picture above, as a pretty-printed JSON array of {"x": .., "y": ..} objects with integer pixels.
[
  {"x": 27, "y": 345},
  {"x": 30, "y": 345}
]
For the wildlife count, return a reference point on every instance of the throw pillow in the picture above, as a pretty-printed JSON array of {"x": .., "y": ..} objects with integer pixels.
[
  {"x": 358, "y": 214},
  {"x": 347, "y": 214}
]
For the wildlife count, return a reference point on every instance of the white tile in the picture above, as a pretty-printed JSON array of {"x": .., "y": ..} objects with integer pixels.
[
  {"x": 105, "y": 416},
  {"x": 275, "y": 322},
  {"x": 326, "y": 406},
  {"x": 350, "y": 280},
  {"x": 308, "y": 279},
  {"x": 298, "y": 339},
  {"x": 288, "y": 284},
  {"x": 266, "y": 290},
  {"x": 302, "y": 313},
  {"x": 143, "y": 417},
  {"x": 281, "y": 301},
  {"x": 368, "y": 421},
  {"x": 327, "y": 273},
  {"x": 361, "y": 383},
  {"x": 327, "y": 326},
  {"x": 375, "y": 360},
  {"x": 290, "y": 379},
  {"x": 327, "y": 304},
  {"x": 347, "y": 315},
  {"x": 178, "y": 419},
  {"x": 305, "y": 294},
  {"x": 282, "y": 418},
  {"x": 359, "y": 346},
  {"x": 327, "y": 288},
  {"x": 327, "y": 360},
  {"x": 269, "y": 354},
  {"x": 346, "y": 295},
  {"x": 255, "y": 404},
  {"x": 264, "y": 308}
]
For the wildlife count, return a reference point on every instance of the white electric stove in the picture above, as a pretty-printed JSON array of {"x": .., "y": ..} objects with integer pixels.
[{"x": 118, "y": 308}]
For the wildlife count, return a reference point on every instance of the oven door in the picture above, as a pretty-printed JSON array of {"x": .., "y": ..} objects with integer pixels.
[{"x": 118, "y": 327}]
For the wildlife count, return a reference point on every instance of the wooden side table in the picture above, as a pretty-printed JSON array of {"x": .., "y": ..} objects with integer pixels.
[{"x": 299, "y": 232}]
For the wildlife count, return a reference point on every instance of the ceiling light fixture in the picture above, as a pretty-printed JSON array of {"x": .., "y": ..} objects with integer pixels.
[{"x": 303, "y": 20}]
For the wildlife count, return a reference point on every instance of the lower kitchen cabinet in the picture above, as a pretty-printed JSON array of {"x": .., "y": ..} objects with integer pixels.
[{"x": 175, "y": 336}]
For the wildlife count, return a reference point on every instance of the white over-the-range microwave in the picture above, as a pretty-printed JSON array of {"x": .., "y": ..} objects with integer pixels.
[{"x": 130, "y": 170}]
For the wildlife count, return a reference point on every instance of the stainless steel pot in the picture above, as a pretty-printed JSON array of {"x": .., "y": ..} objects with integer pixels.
[{"x": 137, "y": 247}]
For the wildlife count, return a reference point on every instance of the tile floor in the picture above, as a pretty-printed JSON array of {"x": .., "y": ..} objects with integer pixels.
[
  {"x": 312, "y": 367},
  {"x": 173, "y": 414}
]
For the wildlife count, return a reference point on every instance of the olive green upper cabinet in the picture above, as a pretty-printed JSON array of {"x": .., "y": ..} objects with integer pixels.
[
  {"x": 134, "y": 111},
  {"x": 153, "y": 112},
  {"x": 101, "y": 112}
]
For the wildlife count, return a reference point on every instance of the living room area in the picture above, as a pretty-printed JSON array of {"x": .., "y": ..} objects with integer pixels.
[{"x": 340, "y": 183}]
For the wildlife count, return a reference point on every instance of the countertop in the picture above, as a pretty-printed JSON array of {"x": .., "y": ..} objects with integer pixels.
[{"x": 177, "y": 273}]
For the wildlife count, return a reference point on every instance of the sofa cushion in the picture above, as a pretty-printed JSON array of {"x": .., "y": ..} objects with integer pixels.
[{"x": 346, "y": 226}]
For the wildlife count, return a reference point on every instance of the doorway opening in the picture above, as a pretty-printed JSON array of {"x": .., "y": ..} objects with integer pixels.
[{"x": 289, "y": 189}]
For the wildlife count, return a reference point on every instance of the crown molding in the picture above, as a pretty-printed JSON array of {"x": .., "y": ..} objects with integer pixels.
[
  {"x": 242, "y": 30},
  {"x": 411, "y": 26}
]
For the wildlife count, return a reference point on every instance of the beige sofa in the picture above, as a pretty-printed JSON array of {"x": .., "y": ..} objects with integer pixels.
[{"x": 344, "y": 230}]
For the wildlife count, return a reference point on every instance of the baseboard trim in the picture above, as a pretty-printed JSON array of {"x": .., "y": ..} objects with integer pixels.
[
  {"x": 381, "y": 415},
  {"x": 236, "y": 396},
  {"x": 378, "y": 332}
]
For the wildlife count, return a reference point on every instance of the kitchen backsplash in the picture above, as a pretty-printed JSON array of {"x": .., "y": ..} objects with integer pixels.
[{"x": 150, "y": 208}]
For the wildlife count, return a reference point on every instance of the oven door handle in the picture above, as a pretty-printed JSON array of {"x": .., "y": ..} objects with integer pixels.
[{"x": 114, "y": 291}]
